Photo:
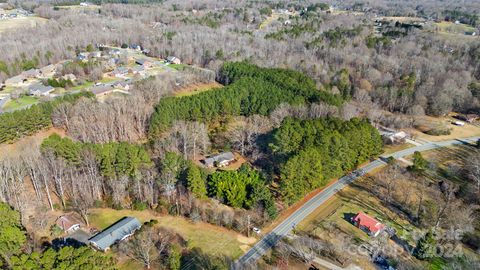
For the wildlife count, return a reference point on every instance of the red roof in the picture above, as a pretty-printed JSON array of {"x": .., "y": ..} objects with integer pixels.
[{"x": 364, "y": 220}]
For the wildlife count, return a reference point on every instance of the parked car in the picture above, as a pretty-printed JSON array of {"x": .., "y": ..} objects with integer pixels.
[{"x": 256, "y": 230}]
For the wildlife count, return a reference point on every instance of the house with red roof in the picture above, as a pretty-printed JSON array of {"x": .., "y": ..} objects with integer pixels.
[{"x": 368, "y": 224}]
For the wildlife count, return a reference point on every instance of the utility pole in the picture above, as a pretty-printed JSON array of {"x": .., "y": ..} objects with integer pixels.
[{"x": 248, "y": 226}]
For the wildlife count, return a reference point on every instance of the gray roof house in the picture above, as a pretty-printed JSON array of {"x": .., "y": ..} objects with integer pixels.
[
  {"x": 16, "y": 80},
  {"x": 117, "y": 232},
  {"x": 39, "y": 89},
  {"x": 103, "y": 89},
  {"x": 31, "y": 73},
  {"x": 220, "y": 160}
]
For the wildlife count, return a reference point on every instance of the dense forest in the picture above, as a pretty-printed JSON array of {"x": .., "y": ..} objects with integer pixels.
[
  {"x": 316, "y": 151},
  {"x": 250, "y": 90}
]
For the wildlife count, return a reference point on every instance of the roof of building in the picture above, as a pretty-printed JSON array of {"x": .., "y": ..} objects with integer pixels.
[
  {"x": 368, "y": 222},
  {"x": 31, "y": 72},
  {"x": 116, "y": 232},
  {"x": 171, "y": 58},
  {"x": 226, "y": 156},
  {"x": 42, "y": 89},
  {"x": 142, "y": 61},
  {"x": 65, "y": 222},
  {"x": 16, "y": 79},
  {"x": 101, "y": 89}
]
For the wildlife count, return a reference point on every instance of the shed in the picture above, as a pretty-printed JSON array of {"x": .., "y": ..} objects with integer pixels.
[{"x": 115, "y": 233}]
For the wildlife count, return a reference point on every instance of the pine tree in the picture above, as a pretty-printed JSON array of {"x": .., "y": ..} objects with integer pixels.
[
  {"x": 195, "y": 182},
  {"x": 426, "y": 247}
]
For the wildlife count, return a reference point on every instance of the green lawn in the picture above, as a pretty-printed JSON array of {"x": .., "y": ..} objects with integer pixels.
[
  {"x": 19, "y": 103},
  {"x": 177, "y": 66},
  {"x": 81, "y": 86},
  {"x": 209, "y": 238},
  {"x": 8, "y": 89}
]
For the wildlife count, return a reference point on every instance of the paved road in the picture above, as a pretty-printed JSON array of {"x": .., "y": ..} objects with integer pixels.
[{"x": 269, "y": 240}]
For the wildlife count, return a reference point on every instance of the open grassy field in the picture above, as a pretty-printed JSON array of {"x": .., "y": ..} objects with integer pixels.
[
  {"x": 21, "y": 22},
  {"x": 209, "y": 238},
  {"x": 451, "y": 27},
  {"x": 15, "y": 104}
]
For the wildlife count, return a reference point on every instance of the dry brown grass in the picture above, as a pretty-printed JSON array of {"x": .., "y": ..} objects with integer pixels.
[
  {"x": 426, "y": 123},
  {"x": 196, "y": 89},
  {"x": 21, "y": 22},
  {"x": 25, "y": 144}
]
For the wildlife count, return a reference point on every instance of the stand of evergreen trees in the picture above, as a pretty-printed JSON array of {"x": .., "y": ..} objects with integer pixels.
[
  {"x": 250, "y": 90},
  {"x": 114, "y": 159},
  {"x": 17, "y": 124},
  {"x": 314, "y": 151}
]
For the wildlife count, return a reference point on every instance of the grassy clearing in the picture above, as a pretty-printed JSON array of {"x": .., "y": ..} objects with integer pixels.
[
  {"x": 196, "y": 89},
  {"x": 209, "y": 238},
  {"x": 81, "y": 86},
  {"x": 177, "y": 66},
  {"x": 21, "y": 22},
  {"x": 468, "y": 130},
  {"x": 16, "y": 104},
  {"x": 451, "y": 27},
  {"x": 108, "y": 79}
]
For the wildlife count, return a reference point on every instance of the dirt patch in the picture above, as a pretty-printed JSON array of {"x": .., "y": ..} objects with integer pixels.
[
  {"x": 25, "y": 144},
  {"x": 194, "y": 89}
]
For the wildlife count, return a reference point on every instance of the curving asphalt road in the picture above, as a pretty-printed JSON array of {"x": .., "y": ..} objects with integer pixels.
[{"x": 269, "y": 240}]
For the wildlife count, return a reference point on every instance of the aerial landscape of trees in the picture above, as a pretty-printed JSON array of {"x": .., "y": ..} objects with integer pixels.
[{"x": 296, "y": 90}]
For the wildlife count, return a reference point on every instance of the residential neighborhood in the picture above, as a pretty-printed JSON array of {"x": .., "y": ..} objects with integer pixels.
[{"x": 121, "y": 69}]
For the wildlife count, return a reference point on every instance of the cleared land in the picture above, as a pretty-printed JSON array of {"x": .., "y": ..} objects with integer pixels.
[
  {"x": 451, "y": 27},
  {"x": 196, "y": 89},
  {"x": 468, "y": 130},
  {"x": 209, "y": 238},
  {"x": 21, "y": 22}
]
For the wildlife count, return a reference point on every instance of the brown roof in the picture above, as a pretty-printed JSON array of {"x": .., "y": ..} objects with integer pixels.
[{"x": 65, "y": 222}]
